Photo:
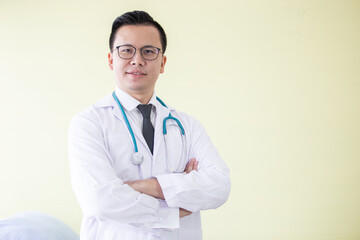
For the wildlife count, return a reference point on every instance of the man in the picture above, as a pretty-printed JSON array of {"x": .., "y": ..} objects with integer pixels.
[{"x": 131, "y": 179}]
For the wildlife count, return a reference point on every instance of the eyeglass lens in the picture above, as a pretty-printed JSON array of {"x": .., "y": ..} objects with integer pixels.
[{"x": 148, "y": 53}]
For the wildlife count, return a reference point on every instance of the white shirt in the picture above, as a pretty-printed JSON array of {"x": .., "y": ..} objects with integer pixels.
[
  {"x": 130, "y": 105},
  {"x": 100, "y": 150}
]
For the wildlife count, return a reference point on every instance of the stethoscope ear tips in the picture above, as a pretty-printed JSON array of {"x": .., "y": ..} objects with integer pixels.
[{"x": 137, "y": 158}]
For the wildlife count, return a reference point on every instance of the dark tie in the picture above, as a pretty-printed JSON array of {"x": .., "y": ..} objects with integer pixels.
[{"x": 147, "y": 129}]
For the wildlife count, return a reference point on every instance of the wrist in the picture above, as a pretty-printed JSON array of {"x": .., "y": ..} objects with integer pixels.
[{"x": 158, "y": 189}]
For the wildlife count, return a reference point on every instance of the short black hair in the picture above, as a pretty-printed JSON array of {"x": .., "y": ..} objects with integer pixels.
[{"x": 136, "y": 18}]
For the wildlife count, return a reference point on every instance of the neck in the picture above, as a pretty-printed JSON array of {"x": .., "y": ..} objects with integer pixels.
[{"x": 143, "y": 97}]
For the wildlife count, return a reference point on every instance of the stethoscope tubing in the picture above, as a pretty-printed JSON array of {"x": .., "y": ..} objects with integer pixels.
[
  {"x": 137, "y": 158},
  {"x": 127, "y": 122}
]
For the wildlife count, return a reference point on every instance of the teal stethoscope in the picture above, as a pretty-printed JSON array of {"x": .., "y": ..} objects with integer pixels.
[{"x": 137, "y": 158}]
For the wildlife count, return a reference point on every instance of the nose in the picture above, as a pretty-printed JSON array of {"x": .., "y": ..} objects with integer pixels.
[{"x": 137, "y": 59}]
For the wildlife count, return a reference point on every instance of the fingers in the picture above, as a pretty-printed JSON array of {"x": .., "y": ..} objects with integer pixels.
[
  {"x": 184, "y": 212},
  {"x": 191, "y": 165},
  {"x": 196, "y": 165},
  {"x": 186, "y": 170}
]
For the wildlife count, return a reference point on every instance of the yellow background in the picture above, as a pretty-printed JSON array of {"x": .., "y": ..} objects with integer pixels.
[{"x": 276, "y": 83}]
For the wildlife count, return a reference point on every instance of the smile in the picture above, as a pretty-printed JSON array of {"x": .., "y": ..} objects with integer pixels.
[{"x": 137, "y": 73}]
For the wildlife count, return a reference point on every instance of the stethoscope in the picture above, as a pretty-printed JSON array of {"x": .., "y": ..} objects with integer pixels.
[{"x": 137, "y": 158}]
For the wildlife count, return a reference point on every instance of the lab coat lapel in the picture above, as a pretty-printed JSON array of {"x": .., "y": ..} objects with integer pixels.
[
  {"x": 118, "y": 114},
  {"x": 109, "y": 101},
  {"x": 139, "y": 136},
  {"x": 161, "y": 113}
]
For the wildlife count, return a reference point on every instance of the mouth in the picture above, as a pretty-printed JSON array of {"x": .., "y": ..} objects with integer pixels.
[{"x": 136, "y": 73}]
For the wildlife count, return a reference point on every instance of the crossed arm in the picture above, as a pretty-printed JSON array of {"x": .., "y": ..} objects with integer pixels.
[{"x": 152, "y": 187}]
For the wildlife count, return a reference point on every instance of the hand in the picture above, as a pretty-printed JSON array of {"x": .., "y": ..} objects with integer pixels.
[
  {"x": 184, "y": 212},
  {"x": 191, "y": 165},
  {"x": 147, "y": 186}
]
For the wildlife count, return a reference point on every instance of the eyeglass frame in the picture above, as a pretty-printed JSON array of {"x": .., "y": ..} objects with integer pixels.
[{"x": 141, "y": 53}]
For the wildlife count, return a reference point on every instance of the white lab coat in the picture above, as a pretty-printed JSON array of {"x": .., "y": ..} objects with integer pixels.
[{"x": 100, "y": 149}]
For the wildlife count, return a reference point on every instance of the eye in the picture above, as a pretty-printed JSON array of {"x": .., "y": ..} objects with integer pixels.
[
  {"x": 126, "y": 50},
  {"x": 149, "y": 51}
]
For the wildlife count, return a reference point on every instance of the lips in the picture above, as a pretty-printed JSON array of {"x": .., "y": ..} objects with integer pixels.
[{"x": 136, "y": 72}]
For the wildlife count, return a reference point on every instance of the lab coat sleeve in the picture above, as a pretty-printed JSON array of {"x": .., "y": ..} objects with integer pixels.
[
  {"x": 207, "y": 188},
  {"x": 100, "y": 192}
]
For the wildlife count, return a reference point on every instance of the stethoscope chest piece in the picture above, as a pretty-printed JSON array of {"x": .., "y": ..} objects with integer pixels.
[{"x": 137, "y": 158}]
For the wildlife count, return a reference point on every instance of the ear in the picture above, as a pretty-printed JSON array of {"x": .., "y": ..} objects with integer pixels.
[
  {"x": 110, "y": 60},
  {"x": 163, "y": 62}
]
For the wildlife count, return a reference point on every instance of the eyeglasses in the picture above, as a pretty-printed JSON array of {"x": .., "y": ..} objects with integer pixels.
[{"x": 147, "y": 52}]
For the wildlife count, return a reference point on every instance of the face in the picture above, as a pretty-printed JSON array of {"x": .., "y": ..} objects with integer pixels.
[{"x": 137, "y": 76}]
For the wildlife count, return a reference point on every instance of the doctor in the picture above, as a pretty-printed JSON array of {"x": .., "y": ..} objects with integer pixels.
[{"x": 135, "y": 175}]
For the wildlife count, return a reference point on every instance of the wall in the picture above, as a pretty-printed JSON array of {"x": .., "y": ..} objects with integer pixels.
[{"x": 276, "y": 84}]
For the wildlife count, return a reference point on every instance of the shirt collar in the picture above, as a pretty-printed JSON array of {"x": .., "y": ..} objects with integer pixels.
[
  {"x": 108, "y": 101},
  {"x": 130, "y": 103}
]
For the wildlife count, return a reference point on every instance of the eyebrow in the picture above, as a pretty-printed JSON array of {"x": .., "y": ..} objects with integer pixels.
[
  {"x": 149, "y": 46},
  {"x": 127, "y": 44}
]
